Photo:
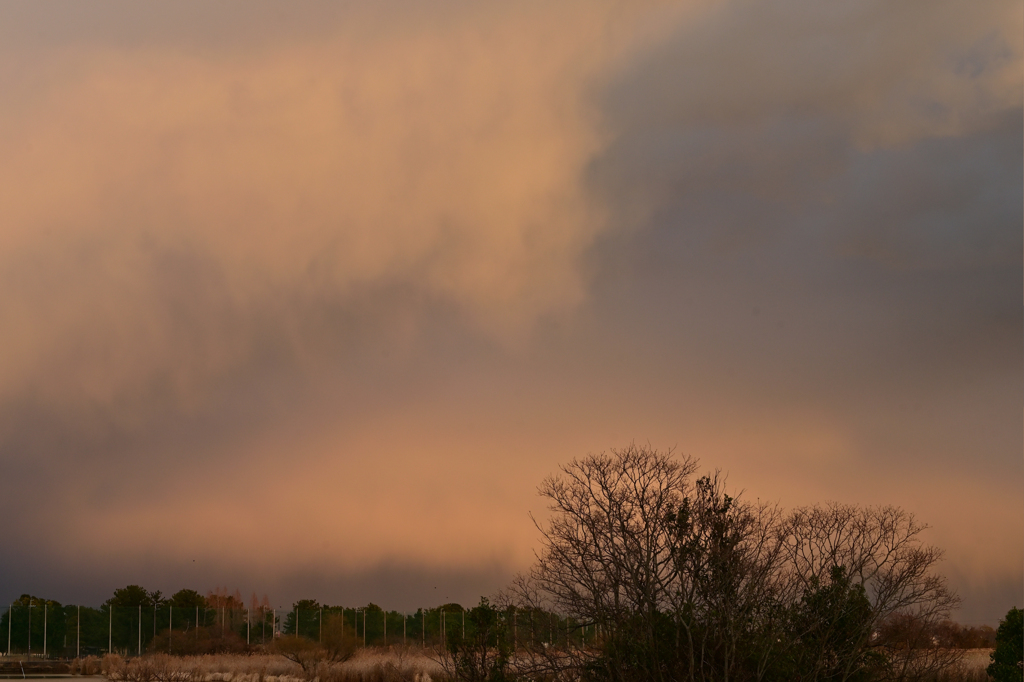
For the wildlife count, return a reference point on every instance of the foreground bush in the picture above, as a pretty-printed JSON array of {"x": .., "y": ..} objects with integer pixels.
[{"x": 1008, "y": 658}]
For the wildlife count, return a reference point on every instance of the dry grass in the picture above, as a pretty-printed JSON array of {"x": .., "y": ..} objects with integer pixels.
[{"x": 394, "y": 664}]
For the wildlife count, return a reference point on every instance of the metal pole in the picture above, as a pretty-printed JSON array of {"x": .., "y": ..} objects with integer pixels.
[
  {"x": 78, "y": 638},
  {"x": 45, "y": 605},
  {"x": 10, "y": 617},
  {"x": 30, "y": 607}
]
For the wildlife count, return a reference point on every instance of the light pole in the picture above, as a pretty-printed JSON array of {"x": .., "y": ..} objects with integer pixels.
[{"x": 30, "y": 607}]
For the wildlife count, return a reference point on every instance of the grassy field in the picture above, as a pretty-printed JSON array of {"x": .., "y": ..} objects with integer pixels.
[{"x": 373, "y": 664}]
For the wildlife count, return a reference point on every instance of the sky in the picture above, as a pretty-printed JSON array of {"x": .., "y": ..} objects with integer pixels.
[{"x": 306, "y": 298}]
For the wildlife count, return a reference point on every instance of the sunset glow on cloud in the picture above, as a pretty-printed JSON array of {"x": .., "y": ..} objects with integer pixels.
[{"x": 307, "y": 298}]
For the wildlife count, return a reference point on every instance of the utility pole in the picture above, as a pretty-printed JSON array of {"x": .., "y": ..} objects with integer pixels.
[{"x": 30, "y": 607}]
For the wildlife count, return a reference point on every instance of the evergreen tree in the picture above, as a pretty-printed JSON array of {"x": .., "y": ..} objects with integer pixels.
[{"x": 1008, "y": 658}]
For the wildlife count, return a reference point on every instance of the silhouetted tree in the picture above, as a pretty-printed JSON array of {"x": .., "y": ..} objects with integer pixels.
[
  {"x": 685, "y": 581},
  {"x": 1008, "y": 658}
]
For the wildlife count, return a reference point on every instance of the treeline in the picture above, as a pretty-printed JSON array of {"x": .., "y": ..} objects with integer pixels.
[
  {"x": 135, "y": 621},
  {"x": 128, "y": 623}
]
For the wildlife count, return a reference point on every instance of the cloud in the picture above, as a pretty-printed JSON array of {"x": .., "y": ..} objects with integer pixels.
[
  {"x": 335, "y": 287},
  {"x": 163, "y": 205}
]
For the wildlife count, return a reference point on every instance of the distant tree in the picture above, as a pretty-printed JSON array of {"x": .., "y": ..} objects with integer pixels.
[
  {"x": 308, "y": 613},
  {"x": 133, "y": 596},
  {"x": 483, "y": 654},
  {"x": 47, "y": 620},
  {"x": 1008, "y": 658},
  {"x": 187, "y": 599}
]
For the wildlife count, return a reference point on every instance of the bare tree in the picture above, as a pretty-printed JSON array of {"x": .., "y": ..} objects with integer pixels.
[
  {"x": 880, "y": 552},
  {"x": 314, "y": 658},
  {"x": 684, "y": 581},
  {"x": 607, "y": 550}
]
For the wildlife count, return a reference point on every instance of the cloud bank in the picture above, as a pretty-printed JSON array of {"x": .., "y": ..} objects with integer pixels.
[{"x": 294, "y": 292}]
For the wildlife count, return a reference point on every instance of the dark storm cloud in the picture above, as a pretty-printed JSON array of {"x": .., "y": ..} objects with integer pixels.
[{"x": 827, "y": 206}]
